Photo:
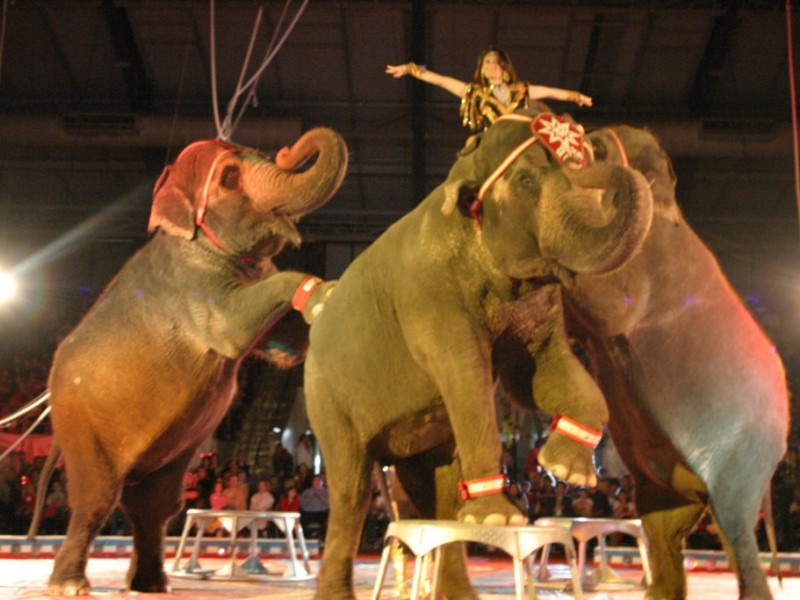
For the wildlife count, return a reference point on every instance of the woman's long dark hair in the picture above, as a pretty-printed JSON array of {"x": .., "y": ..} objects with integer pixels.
[{"x": 502, "y": 58}]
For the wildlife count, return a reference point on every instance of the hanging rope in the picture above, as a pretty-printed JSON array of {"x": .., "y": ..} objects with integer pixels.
[
  {"x": 793, "y": 96},
  {"x": 3, "y": 34},
  {"x": 225, "y": 127},
  {"x": 42, "y": 416}
]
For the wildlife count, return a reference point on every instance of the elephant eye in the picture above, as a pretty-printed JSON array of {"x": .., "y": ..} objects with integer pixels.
[
  {"x": 525, "y": 180},
  {"x": 230, "y": 177}
]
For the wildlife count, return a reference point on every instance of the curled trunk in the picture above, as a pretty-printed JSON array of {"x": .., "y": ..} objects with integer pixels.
[
  {"x": 296, "y": 193},
  {"x": 601, "y": 222}
]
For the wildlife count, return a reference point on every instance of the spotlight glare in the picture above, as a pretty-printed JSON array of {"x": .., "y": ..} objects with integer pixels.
[{"x": 8, "y": 287}]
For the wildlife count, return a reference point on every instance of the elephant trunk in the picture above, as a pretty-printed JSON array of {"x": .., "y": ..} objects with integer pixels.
[
  {"x": 600, "y": 223},
  {"x": 291, "y": 193}
]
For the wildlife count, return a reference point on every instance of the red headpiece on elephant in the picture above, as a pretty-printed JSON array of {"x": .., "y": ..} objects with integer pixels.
[{"x": 562, "y": 138}]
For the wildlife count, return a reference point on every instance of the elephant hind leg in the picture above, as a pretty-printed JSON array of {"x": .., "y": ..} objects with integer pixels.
[
  {"x": 737, "y": 515},
  {"x": 93, "y": 491},
  {"x": 149, "y": 504},
  {"x": 348, "y": 468}
]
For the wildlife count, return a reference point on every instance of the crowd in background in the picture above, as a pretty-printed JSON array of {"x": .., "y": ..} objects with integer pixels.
[{"x": 290, "y": 483}]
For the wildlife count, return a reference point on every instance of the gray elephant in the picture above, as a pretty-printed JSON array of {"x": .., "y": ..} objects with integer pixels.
[
  {"x": 400, "y": 366},
  {"x": 696, "y": 391},
  {"x": 151, "y": 370}
]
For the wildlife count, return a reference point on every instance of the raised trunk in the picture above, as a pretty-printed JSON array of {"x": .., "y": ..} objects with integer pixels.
[
  {"x": 292, "y": 193},
  {"x": 601, "y": 222}
]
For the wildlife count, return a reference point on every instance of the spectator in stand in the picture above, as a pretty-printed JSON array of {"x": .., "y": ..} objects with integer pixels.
[
  {"x": 304, "y": 453},
  {"x": 282, "y": 462},
  {"x": 290, "y": 500},
  {"x": 303, "y": 476},
  {"x": 191, "y": 493},
  {"x": 532, "y": 460},
  {"x": 241, "y": 465},
  {"x": 27, "y": 501},
  {"x": 205, "y": 487},
  {"x": 583, "y": 504},
  {"x": 236, "y": 493},
  {"x": 207, "y": 463},
  {"x": 314, "y": 509},
  {"x": 627, "y": 484},
  {"x": 602, "y": 508},
  {"x": 518, "y": 498},
  {"x": 623, "y": 506},
  {"x": 559, "y": 504},
  {"x": 217, "y": 501},
  {"x": 55, "y": 513},
  {"x": 262, "y": 501}
]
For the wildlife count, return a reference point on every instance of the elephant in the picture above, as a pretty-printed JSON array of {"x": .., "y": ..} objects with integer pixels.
[
  {"x": 695, "y": 389},
  {"x": 400, "y": 365},
  {"x": 150, "y": 371}
]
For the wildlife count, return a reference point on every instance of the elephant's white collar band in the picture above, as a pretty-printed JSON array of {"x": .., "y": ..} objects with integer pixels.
[
  {"x": 577, "y": 432},
  {"x": 484, "y": 486}
]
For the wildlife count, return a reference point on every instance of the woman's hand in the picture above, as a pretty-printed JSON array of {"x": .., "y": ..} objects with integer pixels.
[
  {"x": 397, "y": 71},
  {"x": 582, "y": 100}
]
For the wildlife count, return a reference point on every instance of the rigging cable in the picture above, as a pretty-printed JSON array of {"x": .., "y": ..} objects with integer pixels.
[
  {"x": 793, "y": 96},
  {"x": 3, "y": 35},
  {"x": 225, "y": 128}
]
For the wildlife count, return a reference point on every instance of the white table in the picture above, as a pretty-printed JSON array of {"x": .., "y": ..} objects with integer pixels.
[
  {"x": 424, "y": 537},
  {"x": 585, "y": 529},
  {"x": 234, "y": 521}
]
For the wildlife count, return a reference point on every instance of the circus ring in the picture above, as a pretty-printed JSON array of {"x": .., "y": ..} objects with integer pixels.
[{"x": 25, "y": 566}]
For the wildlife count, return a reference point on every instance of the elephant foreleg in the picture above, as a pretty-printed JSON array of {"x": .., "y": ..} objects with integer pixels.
[
  {"x": 149, "y": 503},
  {"x": 668, "y": 516},
  {"x": 561, "y": 386},
  {"x": 420, "y": 477},
  {"x": 460, "y": 365}
]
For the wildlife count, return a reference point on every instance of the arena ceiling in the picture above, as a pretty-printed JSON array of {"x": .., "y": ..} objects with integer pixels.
[{"x": 97, "y": 95}]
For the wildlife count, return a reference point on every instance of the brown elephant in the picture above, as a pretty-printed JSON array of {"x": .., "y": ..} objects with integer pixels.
[
  {"x": 151, "y": 370},
  {"x": 400, "y": 367},
  {"x": 696, "y": 391}
]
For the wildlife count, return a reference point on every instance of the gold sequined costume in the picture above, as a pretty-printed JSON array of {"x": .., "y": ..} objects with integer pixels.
[{"x": 480, "y": 107}]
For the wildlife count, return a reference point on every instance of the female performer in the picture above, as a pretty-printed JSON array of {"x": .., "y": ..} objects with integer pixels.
[{"x": 494, "y": 90}]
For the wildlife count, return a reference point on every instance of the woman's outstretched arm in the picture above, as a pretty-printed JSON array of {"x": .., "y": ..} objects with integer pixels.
[{"x": 451, "y": 84}]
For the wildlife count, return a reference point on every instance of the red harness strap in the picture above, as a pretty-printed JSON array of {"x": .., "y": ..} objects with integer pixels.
[
  {"x": 622, "y": 152},
  {"x": 202, "y": 205}
]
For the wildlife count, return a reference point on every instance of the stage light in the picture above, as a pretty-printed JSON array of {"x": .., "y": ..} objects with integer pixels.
[{"x": 8, "y": 287}]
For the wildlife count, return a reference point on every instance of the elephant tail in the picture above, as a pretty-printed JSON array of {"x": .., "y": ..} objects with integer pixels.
[
  {"x": 41, "y": 489},
  {"x": 769, "y": 526}
]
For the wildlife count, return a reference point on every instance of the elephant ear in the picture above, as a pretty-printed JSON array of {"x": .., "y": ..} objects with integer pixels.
[
  {"x": 172, "y": 209},
  {"x": 455, "y": 191}
]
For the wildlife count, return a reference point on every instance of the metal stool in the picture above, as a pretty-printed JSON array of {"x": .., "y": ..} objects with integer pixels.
[
  {"x": 425, "y": 537},
  {"x": 583, "y": 530},
  {"x": 234, "y": 521}
]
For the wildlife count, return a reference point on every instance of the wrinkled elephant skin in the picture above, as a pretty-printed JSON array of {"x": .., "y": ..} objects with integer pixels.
[
  {"x": 151, "y": 370},
  {"x": 400, "y": 364},
  {"x": 696, "y": 391}
]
